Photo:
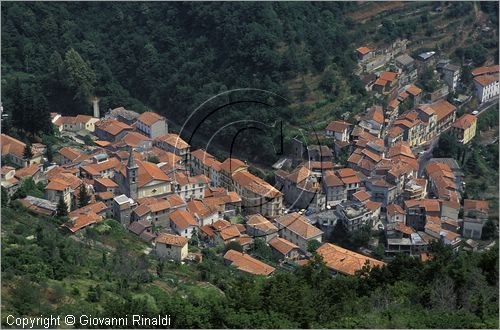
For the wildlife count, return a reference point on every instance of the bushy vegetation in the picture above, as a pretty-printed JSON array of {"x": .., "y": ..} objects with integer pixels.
[
  {"x": 151, "y": 56},
  {"x": 46, "y": 272}
]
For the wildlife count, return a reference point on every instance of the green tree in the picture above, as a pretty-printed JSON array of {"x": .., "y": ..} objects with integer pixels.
[
  {"x": 5, "y": 197},
  {"x": 490, "y": 230},
  {"x": 83, "y": 196},
  {"x": 79, "y": 75},
  {"x": 28, "y": 152},
  {"x": 233, "y": 245},
  {"x": 261, "y": 249},
  {"x": 313, "y": 245},
  {"x": 62, "y": 208}
]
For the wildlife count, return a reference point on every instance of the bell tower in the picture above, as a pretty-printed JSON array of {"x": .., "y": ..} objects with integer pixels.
[{"x": 132, "y": 176}]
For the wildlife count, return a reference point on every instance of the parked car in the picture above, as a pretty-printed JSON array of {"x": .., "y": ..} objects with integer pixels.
[{"x": 475, "y": 112}]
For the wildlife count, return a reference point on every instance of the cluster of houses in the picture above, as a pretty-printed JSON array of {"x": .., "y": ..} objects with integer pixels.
[
  {"x": 396, "y": 82},
  {"x": 149, "y": 180}
]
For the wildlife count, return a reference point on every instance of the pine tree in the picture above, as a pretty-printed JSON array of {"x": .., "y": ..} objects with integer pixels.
[
  {"x": 28, "y": 153},
  {"x": 83, "y": 197},
  {"x": 62, "y": 208}
]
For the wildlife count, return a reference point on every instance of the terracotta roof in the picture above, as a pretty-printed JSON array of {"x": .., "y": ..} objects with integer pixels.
[
  {"x": 375, "y": 113},
  {"x": 175, "y": 200},
  {"x": 69, "y": 153},
  {"x": 133, "y": 139},
  {"x": 164, "y": 238},
  {"x": 149, "y": 118},
  {"x": 102, "y": 143},
  {"x": 206, "y": 159},
  {"x": 260, "y": 223},
  {"x": 363, "y": 50},
  {"x": 394, "y": 131},
  {"x": 199, "y": 208},
  {"x": 147, "y": 172},
  {"x": 465, "y": 122},
  {"x": 82, "y": 118},
  {"x": 106, "y": 182},
  {"x": 11, "y": 145},
  {"x": 159, "y": 205},
  {"x": 255, "y": 184},
  {"x": 282, "y": 245},
  {"x": 231, "y": 165},
  {"x": 485, "y": 69},
  {"x": 443, "y": 108},
  {"x": 486, "y": 79},
  {"x": 97, "y": 207},
  {"x": 380, "y": 82},
  {"x": 28, "y": 171},
  {"x": 182, "y": 219},
  {"x": 394, "y": 103},
  {"x": 81, "y": 221},
  {"x": 331, "y": 180},
  {"x": 372, "y": 206},
  {"x": 393, "y": 209},
  {"x": 174, "y": 140},
  {"x": 425, "y": 108},
  {"x": 404, "y": 228},
  {"x": 229, "y": 232},
  {"x": 182, "y": 179},
  {"x": 361, "y": 195},
  {"x": 388, "y": 75},
  {"x": 413, "y": 90},
  {"x": 111, "y": 126},
  {"x": 246, "y": 263},
  {"x": 472, "y": 204},
  {"x": 400, "y": 148},
  {"x": 299, "y": 225},
  {"x": 345, "y": 261},
  {"x": 338, "y": 126}
]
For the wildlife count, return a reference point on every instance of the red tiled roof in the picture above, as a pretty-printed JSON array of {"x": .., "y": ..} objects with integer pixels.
[
  {"x": 442, "y": 109},
  {"x": 246, "y": 263},
  {"x": 338, "y": 126},
  {"x": 413, "y": 90},
  {"x": 182, "y": 219},
  {"x": 299, "y": 225},
  {"x": 363, "y": 50},
  {"x": 149, "y": 118},
  {"x": 486, "y": 79},
  {"x": 345, "y": 261},
  {"x": 484, "y": 69},
  {"x": 164, "y": 238},
  {"x": 465, "y": 122},
  {"x": 282, "y": 245}
]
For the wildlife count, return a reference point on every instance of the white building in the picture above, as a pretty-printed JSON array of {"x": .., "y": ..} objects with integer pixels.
[{"x": 486, "y": 87}]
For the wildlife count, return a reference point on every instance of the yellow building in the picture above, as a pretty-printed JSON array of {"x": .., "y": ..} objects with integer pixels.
[{"x": 464, "y": 128}]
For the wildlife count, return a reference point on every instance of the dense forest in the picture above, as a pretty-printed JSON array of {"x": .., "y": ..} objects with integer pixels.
[
  {"x": 104, "y": 273},
  {"x": 171, "y": 57}
]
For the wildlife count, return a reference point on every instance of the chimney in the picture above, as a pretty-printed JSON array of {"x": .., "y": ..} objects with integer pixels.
[{"x": 95, "y": 104}]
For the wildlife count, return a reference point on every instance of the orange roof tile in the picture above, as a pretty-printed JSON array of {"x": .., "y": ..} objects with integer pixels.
[
  {"x": 282, "y": 245},
  {"x": 393, "y": 209},
  {"x": 174, "y": 140},
  {"x": 299, "y": 225},
  {"x": 465, "y": 122},
  {"x": 176, "y": 240},
  {"x": 255, "y": 184},
  {"x": 182, "y": 219},
  {"x": 149, "y": 118},
  {"x": 246, "y": 263},
  {"x": 363, "y": 50},
  {"x": 442, "y": 109},
  {"x": 413, "y": 90},
  {"x": 260, "y": 223},
  {"x": 345, "y": 261},
  {"x": 338, "y": 126}
]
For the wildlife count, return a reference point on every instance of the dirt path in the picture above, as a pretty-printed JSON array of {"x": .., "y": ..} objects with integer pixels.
[{"x": 370, "y": 9}]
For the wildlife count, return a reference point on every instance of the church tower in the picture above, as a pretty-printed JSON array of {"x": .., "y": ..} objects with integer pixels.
[{"x": 132, "y": 176}]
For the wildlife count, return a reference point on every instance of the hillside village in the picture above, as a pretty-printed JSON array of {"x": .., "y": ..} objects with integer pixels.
[{"x": 130, "y": 167}]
